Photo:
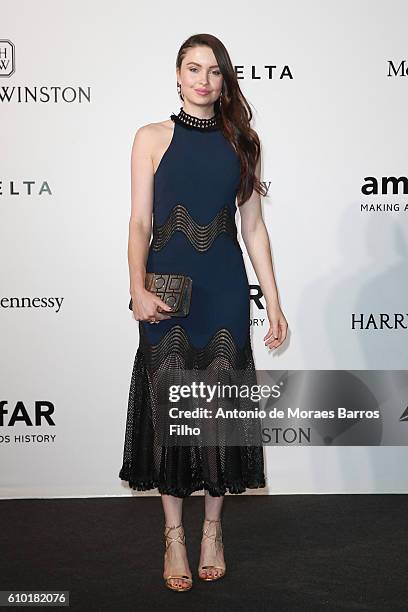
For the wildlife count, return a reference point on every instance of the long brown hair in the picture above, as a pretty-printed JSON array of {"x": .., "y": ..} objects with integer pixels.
[{"x": 235, "y": 114}]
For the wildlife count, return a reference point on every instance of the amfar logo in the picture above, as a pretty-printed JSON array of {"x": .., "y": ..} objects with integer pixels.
[
  {"x": 371, "y": 186},
  {"x": 19, "y": 414},
  {"x": 402, "y": 69},
  {"x": 33, "y": 94},
  {"x": 264, "y": 72},
  {"x": 381, "y": 320},
  {"x": 385, "y": 185},
  {"x": 40, "y": 416}
]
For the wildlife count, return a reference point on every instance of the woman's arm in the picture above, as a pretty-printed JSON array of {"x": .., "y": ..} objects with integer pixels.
[
  {"x": 256, "y": 239},
  {"x": 146, "y": 305},
  {"x": 140, "y": 224}
]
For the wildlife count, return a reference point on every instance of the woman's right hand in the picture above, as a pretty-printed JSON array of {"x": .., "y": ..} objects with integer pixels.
[{"x": 147, "y": 306}]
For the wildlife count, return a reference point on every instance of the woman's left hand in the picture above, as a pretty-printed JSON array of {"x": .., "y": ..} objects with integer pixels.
[{"x": 278, "y": 326}]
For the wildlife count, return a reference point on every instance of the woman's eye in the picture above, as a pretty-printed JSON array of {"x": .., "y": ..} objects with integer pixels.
[{"x": 216, "y": 72}]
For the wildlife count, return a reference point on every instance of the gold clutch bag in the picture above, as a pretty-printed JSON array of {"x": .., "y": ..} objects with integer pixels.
[{"x": 173, "y": 289}]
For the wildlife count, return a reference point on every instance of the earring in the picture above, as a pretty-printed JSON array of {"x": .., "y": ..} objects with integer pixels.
[
  {"x": 219, "y": 99},
  {"x": 179, "y": 91}
]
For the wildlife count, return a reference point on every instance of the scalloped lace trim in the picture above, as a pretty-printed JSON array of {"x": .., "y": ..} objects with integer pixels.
[{"x": 215, "y": 490}]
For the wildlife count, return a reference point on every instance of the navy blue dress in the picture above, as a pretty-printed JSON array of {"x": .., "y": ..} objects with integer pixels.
[{"x": 194, "y": 233}]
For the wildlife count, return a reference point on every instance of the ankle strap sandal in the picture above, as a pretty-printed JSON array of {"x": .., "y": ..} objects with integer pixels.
[
  {"x": 181, "y": 539},
  {"x": 217, "y": 539}
]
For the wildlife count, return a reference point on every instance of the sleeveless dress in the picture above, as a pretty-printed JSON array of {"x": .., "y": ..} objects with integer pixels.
[{"x": 194, "y": 233}]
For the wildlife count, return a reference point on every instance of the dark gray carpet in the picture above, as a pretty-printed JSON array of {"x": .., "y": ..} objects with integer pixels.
[{"x": 287, "y": 552}]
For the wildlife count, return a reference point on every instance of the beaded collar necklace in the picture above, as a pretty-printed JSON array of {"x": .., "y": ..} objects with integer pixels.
[{"x": 198, "y": 123}]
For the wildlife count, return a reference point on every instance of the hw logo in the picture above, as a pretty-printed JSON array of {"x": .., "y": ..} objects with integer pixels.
[{"x": 7, "y": 58}]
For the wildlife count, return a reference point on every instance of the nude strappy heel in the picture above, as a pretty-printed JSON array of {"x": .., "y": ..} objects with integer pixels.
[
  {"x": 217, "y": 539},
  {"x": 181, "y": 539}
]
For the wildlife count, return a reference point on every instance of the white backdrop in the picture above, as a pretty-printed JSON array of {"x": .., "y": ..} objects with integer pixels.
[{"x": 328, "y": 115}]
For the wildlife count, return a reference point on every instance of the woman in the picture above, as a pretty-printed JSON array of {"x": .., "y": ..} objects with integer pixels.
[{"x": 188, "y": 171}]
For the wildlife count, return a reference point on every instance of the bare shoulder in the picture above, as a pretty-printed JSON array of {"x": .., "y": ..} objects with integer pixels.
[
  {"x": 153, "y": 135},
  {"x": 156, "y": 128},
  {"x": 152, "y": 140},
  {"x": 167, "y": 123}
]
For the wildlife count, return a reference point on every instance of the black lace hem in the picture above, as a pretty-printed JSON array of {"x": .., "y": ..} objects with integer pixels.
[
  {"x": 180, "y": 470},
  {"x": 214, "y": 489}
]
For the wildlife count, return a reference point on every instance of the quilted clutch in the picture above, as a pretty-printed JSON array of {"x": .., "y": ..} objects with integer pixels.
[{"x": 173, "y": 289}]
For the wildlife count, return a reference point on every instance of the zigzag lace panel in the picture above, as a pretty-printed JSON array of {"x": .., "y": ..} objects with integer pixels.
[
  {"x": 200, "y": 236},
  {"x": 220, "y": 351}
]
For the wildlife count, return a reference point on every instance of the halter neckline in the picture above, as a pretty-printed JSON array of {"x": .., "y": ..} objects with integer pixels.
[{"x": 196, "y": 123}]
